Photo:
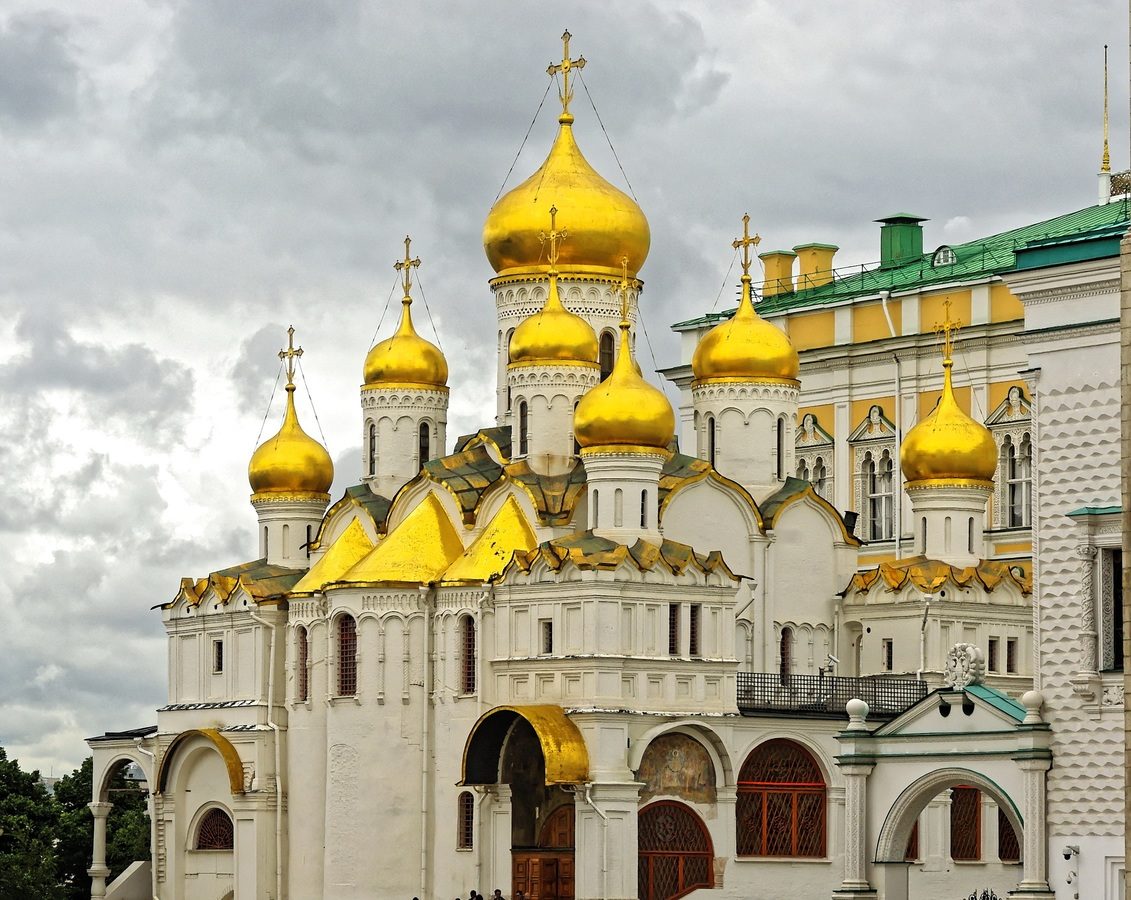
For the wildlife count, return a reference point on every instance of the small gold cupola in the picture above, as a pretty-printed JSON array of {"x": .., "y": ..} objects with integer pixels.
[
  {"x": 291, "y": 463},
  {"x": 624, "y": 409},
  {"x": 609, "y": 224},
  {"x": 948, "y": 446},
  {"x": 406, "y": 357},
  {"x": 553, "y": 334},
  {"x": 746, "y": 347}
]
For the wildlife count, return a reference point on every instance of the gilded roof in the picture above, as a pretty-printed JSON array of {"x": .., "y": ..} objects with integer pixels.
[
  {"x": 497, "y": 436},
  {"x": 553, "y": 496},
  {"x": 258, "y": 578},
  {"x": 792, "y": 490},
  {"x": 587, "y": 550},
  {"x": 466, "y": 475},
  {"x": 507, "y": 532},
  {"x": 352, "y": 545},
  {"x": 360, "y": 497},
  {"x": 929, "y": 575}
]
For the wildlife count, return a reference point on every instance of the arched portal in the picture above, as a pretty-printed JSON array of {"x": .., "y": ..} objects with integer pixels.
[{"x": 675, "y": 856}]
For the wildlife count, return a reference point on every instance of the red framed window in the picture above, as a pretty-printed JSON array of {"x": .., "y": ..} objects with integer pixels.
[
  {"x": 465, "y": 821},
  {"x": 347, "y": 656},
  {"x": 302, "y": 664},
  {"x": 215, "y": 831},
  {"x": 782, "y": 802},
  {"x": 965, "y": 823},
  {"x": 675, "y": 853},
  {"x": 467, "y": 655}
]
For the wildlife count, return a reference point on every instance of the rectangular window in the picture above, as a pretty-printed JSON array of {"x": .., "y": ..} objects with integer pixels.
[
  {"x": 547, "y": 636},
  {"x": 992, "y": 656},
  {"x": 1011, "y": 656},
  {"x": 1111, "y": 609},
  {"x": 673, "y": 629},
  {"x": 966, "y": 823},
  {"x": 217, "y": 657},
  {"x": 693, "y": 632},
  {"x": 887, "y": 655}
]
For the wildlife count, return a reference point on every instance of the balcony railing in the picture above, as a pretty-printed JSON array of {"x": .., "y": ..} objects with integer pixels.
[{"x": 825, "y": 695}]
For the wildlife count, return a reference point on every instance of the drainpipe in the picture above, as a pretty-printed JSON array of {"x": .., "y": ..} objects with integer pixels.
[
  {"x": 923, "y": 638},
  {"x": 897, "y": 467},
  {"x": 427, "y": 594},
  {"x": 604, "y": 840},
  {"x": 274, "y": 726},
  {"x": 152, "y": 815}
]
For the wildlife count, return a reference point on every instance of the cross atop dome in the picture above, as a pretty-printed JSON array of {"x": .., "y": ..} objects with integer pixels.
[
  {"x": 405, "y": 267},
  {"x": 947, "y": 327},
  {"x": 553, "y": 236},
  {"x": 624, "y": 292},
  {"x": 565, "y": 67},
  {"x": 290, "y": 355},
  {"x": 746, "y": 242}
]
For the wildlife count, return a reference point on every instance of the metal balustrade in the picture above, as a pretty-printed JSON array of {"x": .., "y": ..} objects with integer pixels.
[{"x": 825, "y": 695}]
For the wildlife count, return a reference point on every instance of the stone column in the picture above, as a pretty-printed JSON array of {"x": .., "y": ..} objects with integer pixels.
[
  {"x": 1085, "y": 681},
  {"x": 726, "y": 827},
  {"x": 501, "y": 870},
  {"x": 98, "y": 869},
  {"x": 855, "y": 882},
  {"x": 1034, "y": 852},
  {"x": 605, "y": 861}
]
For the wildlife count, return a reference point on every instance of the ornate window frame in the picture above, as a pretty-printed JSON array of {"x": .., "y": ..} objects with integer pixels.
[
  {"x": 1099, "y": 532},
  {"x": 1011, "y": 425},
  {"x": 868, "y": 443},
  {"x": 814, "y": 449}
]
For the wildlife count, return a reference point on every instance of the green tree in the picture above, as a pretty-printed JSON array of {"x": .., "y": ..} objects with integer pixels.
[{"x": 29, "y": 820}]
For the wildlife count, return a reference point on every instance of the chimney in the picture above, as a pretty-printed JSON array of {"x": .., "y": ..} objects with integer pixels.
[
  {"x": 779, "y": 272},
  {"x": 901, "y": 239},
  {"x": 816, "y": 264}
]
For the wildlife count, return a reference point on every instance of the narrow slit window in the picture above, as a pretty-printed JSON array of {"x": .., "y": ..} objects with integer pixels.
[
  {"x": 887, "y": 651},
  {"x": 217, "y": 657},
  {"x": 302, "y": 665},
  {"x": 523, "y": 424},
  {"x": 547, "y": 636},
  {"x": 468, "y": 657},
  {"x": 992, "y": 655},
  {"x": 372, "y": 462},
  {"x": 673, "y": 629},
  {"x": 424, "y": 444},
  {"x": 1011, "y": 656},
  {"x": 465, "y": 819},
  {"x": 694, "y": 629},
  {"x": 643, "y": 509},
  {"x": 347, "y": 656}
]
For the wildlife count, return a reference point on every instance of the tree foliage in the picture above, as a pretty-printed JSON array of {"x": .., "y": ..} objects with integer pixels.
[{"x": 29, "y": 820}]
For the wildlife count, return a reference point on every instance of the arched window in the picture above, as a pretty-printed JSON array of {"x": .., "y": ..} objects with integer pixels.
[
  {"x": 372, "y": 449},
  {"x": 923, "y": 546},
  {"x": 711, "y": 440},
  {"x": 264, "y": 550},
  {"x": 423, "y": 444},
  {"x": 606, "y": 357},
  {"x": 785, "y": 655},
  {"x": 465, "y": 821},
  {"x": 467, "y": 660},
  {"x": 675, "y": 852},
  {"x": 643, "y": 509},
  {"x": 1019, "y": 479},
  {"x": 970, "y": 535},
  {"x": 214, "y": 832},
  {"x": 781, "y": 808},
  {"x": 594, "y": 519},
  {"x": 802, "y": 470},
  {"x": 347, "y": 656},
  {"x": 821, "y": 478},
  {"x": 781, "y": 449},
  {"x": 523, "y": 424},
  {"x": 618, "y": 508},
  {"x": 302, "y": 664},
  {"x": 877, "y": 475}
]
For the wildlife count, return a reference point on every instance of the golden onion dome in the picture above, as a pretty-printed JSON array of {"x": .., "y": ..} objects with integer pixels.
[
  {"x": 948, "y": 445},
  {"x": 553, "y": 334},
  {"x": 291, "y": 462},
  {"x": 406, "y": 357},
  {"x": 745, "y": 348},
  {"x": 624, "y": 409},
  {"x": 606, "y": 225}
]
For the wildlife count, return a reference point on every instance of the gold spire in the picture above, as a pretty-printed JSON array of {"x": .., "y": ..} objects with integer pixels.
[
  {"x": 553, "y": 334},
  {"x": 290, "y": 463},
  {"x": 746, "y": 347},
  {"x": 406, "y": 357},
  {"x": 624, "y": 409},
  {"x": 1105, "y": 164},
  {"x": 565, "y": 67},
  {"x": 948, "y": 446}
]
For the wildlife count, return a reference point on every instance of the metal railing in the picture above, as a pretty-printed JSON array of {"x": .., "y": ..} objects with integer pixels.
[{"x": 825, "y": 695}]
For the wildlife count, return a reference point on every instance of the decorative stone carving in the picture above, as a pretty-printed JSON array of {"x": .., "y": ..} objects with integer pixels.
[
  {"x": 1112, "y": 695},
  {"x": 1087, "y": 598},
  {"x": 679, "y": 766},
  {"x": 965, "y": 665}
]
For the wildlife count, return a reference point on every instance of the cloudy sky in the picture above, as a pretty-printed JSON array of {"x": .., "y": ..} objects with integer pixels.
[{"x": 181, "y": 181}]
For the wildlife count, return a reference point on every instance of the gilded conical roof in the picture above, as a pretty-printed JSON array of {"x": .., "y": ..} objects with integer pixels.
[
  {"x": 553, "y": 334},
  {"x": 745, "y": 348},
  {"x": 290, "y": 462}
]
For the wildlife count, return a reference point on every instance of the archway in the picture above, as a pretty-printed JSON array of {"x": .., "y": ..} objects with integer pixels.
[
  {"x": 122, "y": 789},
  {"x": 675, "y": 852}
]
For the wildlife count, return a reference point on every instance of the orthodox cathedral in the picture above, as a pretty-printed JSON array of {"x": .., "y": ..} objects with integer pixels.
[{"x": 774, "y": 642}]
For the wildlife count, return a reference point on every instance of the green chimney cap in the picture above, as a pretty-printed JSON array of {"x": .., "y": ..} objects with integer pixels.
[{"x": 901, "y": 219}]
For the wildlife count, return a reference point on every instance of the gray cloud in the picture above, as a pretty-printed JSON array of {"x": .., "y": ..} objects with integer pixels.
[{"x": 39, "y": 79}]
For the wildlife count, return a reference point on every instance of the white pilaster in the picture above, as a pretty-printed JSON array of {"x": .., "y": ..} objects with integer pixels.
[
  {"x": 605, "y": 862},
  {"x": 98, "y": 870}
]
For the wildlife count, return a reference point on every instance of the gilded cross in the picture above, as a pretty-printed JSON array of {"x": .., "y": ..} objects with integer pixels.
[
  {"x": 948, "y": 327},
  {"x": 624, "y": 290},
  {"x": 553, "y": 236},
  {"x": 746, "y": 242},
  {"x": 291, "y": 354},
  {"x": 565, "y": 67},
  {"x": 406, "y": 265}
]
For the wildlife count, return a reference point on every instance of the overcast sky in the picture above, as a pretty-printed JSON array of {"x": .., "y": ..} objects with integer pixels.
[{"x": 181, "y": 181}]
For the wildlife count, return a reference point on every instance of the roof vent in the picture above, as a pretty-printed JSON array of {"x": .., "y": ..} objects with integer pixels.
[{"x": 901, "y": 239}]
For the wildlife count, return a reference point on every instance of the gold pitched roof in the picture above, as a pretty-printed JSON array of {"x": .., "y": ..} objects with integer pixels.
[
  {"x": 352, "y": 545},
  {"x": 587, "y": 550},
  {"x": 418, "y": 550},
  {"x": 929, "y": 575},
  {"x": 260, "y": 579},
  {"x": 489, "y": 554}
]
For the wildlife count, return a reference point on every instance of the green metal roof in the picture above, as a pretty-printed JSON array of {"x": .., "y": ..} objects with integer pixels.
[
  {"x": 1096, "y": 511},
  {"x": 974, "y": 260},
  {"x": 998, "y": 700}
]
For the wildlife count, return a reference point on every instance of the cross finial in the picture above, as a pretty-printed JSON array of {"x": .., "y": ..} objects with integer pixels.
[
  {"x": 290, "y": 355},
  {"x": 565, "y": 66},
  {"x": 624, "y": 292},
  {"x": 405, "y": 267},
  {"x": 746, "y": 242},
  {"x": 1105, "y": 163},
  {"x": 947, "y": 327},
  {"x": 553, "y": 236}
]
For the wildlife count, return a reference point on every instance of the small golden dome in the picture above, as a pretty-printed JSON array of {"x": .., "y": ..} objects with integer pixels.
[
  {"x": 406, "y": 357},
  {"x": 745, "y": 348},
  {"x": 606, "y": 224},
  {"x": 948, "y": 445},
  {"x": 624, "y": 409},
  {"x": 291, "y": 462},
  {"x": 553, "y": 334}
]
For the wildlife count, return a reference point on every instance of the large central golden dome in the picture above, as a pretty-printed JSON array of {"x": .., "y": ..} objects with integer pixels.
[
  {"x": 948, "y": 445},
  {"x": 605, "y": 224}
]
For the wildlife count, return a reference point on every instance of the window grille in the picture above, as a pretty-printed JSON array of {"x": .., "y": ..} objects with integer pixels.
[
  {"x": 347, "y": 656},
  {"x": 547, "y": 636},
  {"x": 673, "y": 629},
  {"x": 467, "y": 657},
  {"x": 693, "y": 631},
  {"x": 302, "y": 665},
  {"x": 523, "y": 424},
  {"x": 965, "y": 823},
  {"x": 781, "y": 807},
  {"x": 465, "y": 821},
  {"x": 217, "y": 657},
  {"x": 785, "y": 655},
  {"x": 1008, "y": 847},
  {"x": 675, "y": 855},
  {"x": 1111, "y": 609},
  {"x": 215, "y": 831}
]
